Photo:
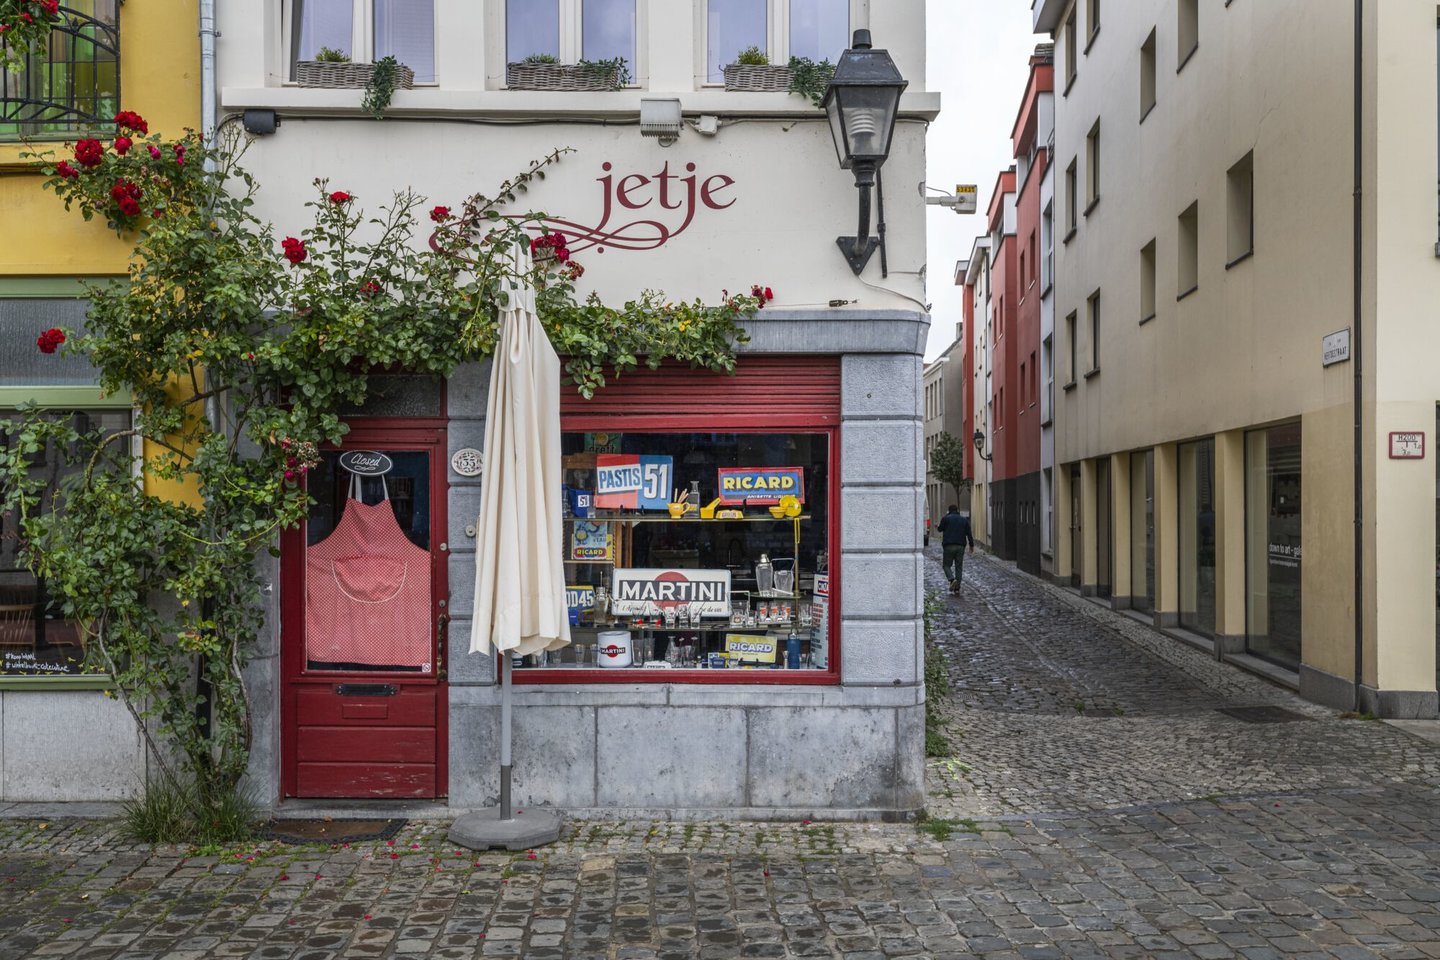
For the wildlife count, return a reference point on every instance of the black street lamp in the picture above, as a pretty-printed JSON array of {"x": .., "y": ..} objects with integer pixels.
[
  {"x": 980, "y": 446},
  {"x": 861, "y": 103}
]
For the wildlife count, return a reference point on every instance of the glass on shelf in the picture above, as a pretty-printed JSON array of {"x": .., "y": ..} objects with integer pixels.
[{"x": 785, "y": 582}]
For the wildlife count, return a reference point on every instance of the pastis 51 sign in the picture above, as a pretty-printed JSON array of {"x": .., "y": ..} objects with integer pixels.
[{"x": 638, "y": 591}]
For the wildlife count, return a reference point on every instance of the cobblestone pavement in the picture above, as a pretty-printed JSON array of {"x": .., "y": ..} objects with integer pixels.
[{"x": 1146, "y": 825}]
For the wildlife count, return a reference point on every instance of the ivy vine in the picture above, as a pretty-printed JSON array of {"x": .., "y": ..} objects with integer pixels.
[
  {"x": 380, "y": 87},
  {"x": 810, "y": 79}
]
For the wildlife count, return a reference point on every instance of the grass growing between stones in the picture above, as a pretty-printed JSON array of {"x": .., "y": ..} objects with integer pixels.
[
  {"x": 937, "y": 684},
  {"x": 942, "y": 829}
]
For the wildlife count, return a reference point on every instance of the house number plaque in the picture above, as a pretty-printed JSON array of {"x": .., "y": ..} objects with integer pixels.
[{"x": 467, "y": 462}]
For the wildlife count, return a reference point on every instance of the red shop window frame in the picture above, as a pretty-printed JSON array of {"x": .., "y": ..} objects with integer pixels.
[{"x": 766, "y": 394}]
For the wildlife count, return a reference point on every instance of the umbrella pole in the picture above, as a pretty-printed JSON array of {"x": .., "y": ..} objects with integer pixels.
[{"x": 505, "y": 711}]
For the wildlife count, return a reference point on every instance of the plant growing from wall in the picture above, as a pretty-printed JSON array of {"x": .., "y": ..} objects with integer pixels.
[
  {"x": 810, "y": 79},
  {"x": 380, "y": 87},
  {"x": 241, "y": 348},
  {"x": 25, "y": 27},
  {"x": 947, "y": 463}
]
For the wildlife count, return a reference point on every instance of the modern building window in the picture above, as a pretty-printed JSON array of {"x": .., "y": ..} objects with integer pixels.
[
  {"x": 1072, "y": 198},
  {"x": 1240, "y": 194},
  {"x": 1072, "y": 369},
  {"x": 1034, "y": 381},
  {"x": 1092, "y": 21},
  {"x": 1197, "y": 536},
  {"x": 1072, "y": 49},
  {"x": 1104, "y": 530},
  {"x": 75, "y": 84},
  {"x": 1047, "y": 352},
  {"x": 1147, "y": 282},
  {"x": 1272, "y": 543},
  {"x": 367, "y": 30},
  {"x": 1092, "y": 313},
  {"x": 571, "y": 30},
  {"x": 1047, "y": 247},
  {"x": 1187, "y": 33},
  {"x": 1092, "y": 167},
  {"x": 1188, "y": 250},
  {"x": 1024, "y": 385},
  {"x": 1142, "y": 531},
  {"x": 1147, "y": 75}
]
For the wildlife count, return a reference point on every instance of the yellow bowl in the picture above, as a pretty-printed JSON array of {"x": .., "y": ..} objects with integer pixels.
[{"x": 778, "y": 512}]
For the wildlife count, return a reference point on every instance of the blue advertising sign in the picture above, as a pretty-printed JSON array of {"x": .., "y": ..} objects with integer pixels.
[{"x": 761, "y": 485}]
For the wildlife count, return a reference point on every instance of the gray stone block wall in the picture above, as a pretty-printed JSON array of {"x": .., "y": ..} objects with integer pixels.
[{"x": 68, "y": 745}]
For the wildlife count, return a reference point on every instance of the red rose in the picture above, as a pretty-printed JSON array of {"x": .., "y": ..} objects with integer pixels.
[
  {"x": 440, "y": 214},
  {"x": 27, "y": 18},
  {"x": 154, "y": 151},
  {"x": 122, "y": 145},
  {"x": 50, "y": 340},
  {"x": 339, "y": 197},
  {"x": 370, "y": 288},
  {"x": 769, "y": 294},
  {"x": 179, "y": 149},
  {"x": 129, "y": 207},
  {"x": 90, "y": 153},
  {"x": 65, "y": 170},
  {"x": 294, "y": 250},
  {"x": 51, "y": 7},
  {"x": 130, "y": 120}
]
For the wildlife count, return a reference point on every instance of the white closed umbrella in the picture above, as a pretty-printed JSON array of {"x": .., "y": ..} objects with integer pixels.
[{"x": 519, "y": 571}]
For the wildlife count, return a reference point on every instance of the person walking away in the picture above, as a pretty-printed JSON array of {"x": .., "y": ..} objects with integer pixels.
[{"x": 954, "y": 538}]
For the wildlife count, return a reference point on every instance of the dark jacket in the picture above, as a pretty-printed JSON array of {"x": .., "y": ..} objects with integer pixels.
[{"x": 955, "y": 531}]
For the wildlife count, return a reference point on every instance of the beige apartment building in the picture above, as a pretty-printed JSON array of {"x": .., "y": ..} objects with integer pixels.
[
  {"x": 943, "y": 383},
  {"x": 1236, "y": 267}
]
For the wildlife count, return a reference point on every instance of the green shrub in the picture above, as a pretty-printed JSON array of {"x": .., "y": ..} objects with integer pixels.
[
  {"x": 541, "y": 58},
  {"x": 331, "y": 55},
  {"x": 171, "y": 812},
  {"x": 753, "y": 56}
]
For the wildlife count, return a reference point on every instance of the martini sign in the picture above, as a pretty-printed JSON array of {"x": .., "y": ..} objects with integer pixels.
[{"x": 645, "y": 591}]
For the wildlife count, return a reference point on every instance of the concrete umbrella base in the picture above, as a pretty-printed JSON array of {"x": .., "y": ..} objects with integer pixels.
[{"x": 484, "y": 829}]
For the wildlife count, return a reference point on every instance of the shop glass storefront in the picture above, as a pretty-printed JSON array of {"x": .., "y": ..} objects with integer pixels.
[
  {"x": 1197, "y": 536},
  {"x": 1142, "y": 531},
  {"x": 1272, "y": 543},
  {"x": 689, "y": 553}
]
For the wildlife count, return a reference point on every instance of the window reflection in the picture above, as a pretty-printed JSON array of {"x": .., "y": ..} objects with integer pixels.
[
  {"x": 819, "y": 29},
  {"x": 732, "y": 26},
  {"x": 532, "y": 27}
]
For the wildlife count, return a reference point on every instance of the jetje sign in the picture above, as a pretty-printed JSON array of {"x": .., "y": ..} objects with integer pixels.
[{"x": 638, "y": 591}]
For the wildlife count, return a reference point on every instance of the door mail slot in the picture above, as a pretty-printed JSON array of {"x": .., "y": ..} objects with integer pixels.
[{"x": 366, "y": 689}]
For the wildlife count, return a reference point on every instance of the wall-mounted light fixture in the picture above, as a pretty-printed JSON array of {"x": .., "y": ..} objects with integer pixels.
[
  {"x": 861, "y": 103},
  {"x": 980, "y": 446},
  {"x": 660, "y": 117}
]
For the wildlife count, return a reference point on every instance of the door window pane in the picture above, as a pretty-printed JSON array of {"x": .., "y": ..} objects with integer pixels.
[
  {"x": 405, "y": 30},
  {"x": 531, "y": 27},
  {"x": 732, "y": 26},
  {"x": 1272, "y": 543},
  {"x": 322, "y": 23},
  {"x": 35, "y": 636},
  {"x": 1142, "y": 531},
  {"x": 608, "y": 31},
  {"x": 1197, "y": 536},
  {"x": 1102, "y": 528},
  {"x": 819, "y": 29},
  {"x": 367, "y": 567}
]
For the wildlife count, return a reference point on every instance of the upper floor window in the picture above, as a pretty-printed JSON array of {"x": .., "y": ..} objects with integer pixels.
[
  {"x": 815, "y": 29},
  {"x": 74, "y": 84},
  {"x": 365, "y": 31},
  {"x": 571, "y": 30}
]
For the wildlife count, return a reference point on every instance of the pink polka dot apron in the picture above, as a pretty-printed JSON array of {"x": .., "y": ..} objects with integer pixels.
[{"x": 367, "y": 591}]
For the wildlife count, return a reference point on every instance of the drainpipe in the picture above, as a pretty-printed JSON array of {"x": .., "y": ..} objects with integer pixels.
[
  {"x": 1356, "y": 341},
  {"x": 203, "y": 688}
]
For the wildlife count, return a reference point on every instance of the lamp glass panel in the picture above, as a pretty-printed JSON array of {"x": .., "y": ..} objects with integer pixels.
[
  {"x": 869, "y": 119},
  {"x": 837, "y": 128},
  {"x": 531, "y": 27}
]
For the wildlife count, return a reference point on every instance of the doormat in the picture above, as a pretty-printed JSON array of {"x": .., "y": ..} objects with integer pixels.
[
  {"x": 1263, "y": 714},
  {"x": 328, "y": 830}
]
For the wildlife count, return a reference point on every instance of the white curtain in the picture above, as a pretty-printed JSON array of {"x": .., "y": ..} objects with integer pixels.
[{"x": 405, "y": 30}]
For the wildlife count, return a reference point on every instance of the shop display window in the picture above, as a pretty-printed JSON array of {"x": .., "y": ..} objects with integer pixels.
[
  {"x": 36, "y": 638},
  {"x": 696, "y": 556}
]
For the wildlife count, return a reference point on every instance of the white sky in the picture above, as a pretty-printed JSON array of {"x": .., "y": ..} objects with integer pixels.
[{"x": 977, "y": 57}]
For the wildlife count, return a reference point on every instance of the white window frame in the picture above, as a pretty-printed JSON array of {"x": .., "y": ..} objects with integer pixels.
[
  {"x": 572, "y": 40},
  {"x": 362, "y": 38},
  {"x": 777, "y": 33}
]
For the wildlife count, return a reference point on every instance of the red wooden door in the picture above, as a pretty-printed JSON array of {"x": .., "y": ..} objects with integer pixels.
[{"x": 363, "y": 605}]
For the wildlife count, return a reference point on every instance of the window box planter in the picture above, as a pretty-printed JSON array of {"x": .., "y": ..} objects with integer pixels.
[
  {"x": 757, "y": 78},
  {"x": 560, "y": 76},
  {"x": 322, "y": 73}
]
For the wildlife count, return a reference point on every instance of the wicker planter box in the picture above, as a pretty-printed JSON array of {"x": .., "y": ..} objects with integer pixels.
[
  {"x": 757, "y": 78},
  {"x": 324, "y": 73},
  {"x": 559, "y": 76}
]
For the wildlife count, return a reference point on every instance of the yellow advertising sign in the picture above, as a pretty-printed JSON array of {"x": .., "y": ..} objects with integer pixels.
[{"x": 744, "y": 646}]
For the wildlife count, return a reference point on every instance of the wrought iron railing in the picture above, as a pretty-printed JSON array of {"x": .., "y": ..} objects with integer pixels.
[{"x": 73, "y": 85}]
